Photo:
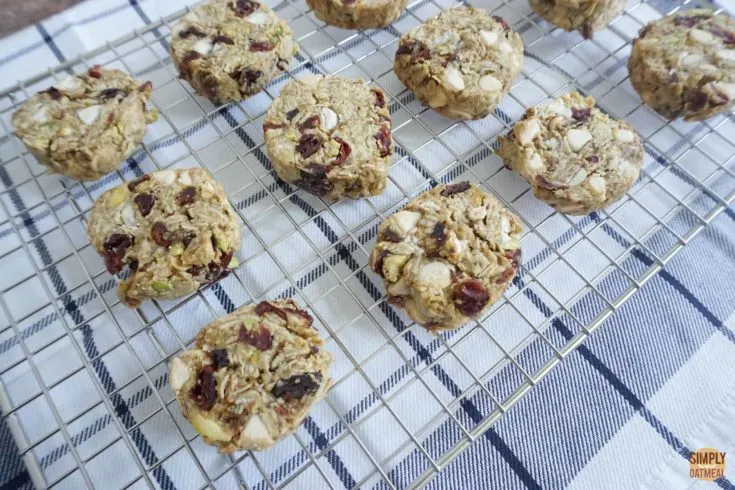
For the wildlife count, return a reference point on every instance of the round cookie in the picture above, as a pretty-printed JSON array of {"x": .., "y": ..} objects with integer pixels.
[
  {"x": 330, "y": 136},
  {"x": 85, "y": 125},
  {"x": 174, "y": 229},
  {"x": 587, "y": 16},
  {"x": 575, "y": 157},
  {"x": 253, "y": 376},
  {"x": 460, "y": 63},
  {"x": 229, "y": 50},
  {"x": 683, "y": 65},
  {"x": 358, "y": 14},
  {"x": 448, "y": 255}
]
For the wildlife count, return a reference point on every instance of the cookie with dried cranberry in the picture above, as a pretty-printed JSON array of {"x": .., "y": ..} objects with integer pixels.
[
  {"x": 460, "y": 63},
  {"x": 358, "y": 14},
  {"x": 586, "y": 16},
  {"x": 448, "y": 255},
  {"x": 84, "y": 126},
  {"x": 330, "y": 136},
  {"x": 173, "y": 229},
  {"x": 253, "y": 376},
  {"x": 229, "y": 50},
  {"x": 575, "y": 157},
  {"x": 683, "y": 65}
]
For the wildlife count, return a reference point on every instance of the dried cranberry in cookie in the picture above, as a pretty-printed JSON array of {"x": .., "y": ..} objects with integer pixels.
[
  {"x": 683, "y": 65},
  {"x": 253, "y": 376},
  {"x": 460, "y": 63},
  {"x": 330, "y": 136},
  {"x": 174, "y": 229},
  {"x": 229, "y": 50},
  {"x": 85, "y": 125},
  {"x": 448, "y": 255},
  {"x": 574, "y": 157}
]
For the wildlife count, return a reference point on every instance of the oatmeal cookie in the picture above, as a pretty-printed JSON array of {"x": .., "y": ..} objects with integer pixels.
[
  {"x": 229, "y": 50},
  {"x": 460, "y": 63},
  {"x": 448, "y": 255},
  {"x": 358, "y": 14},
  {"x": 174, "y": 229},
  {"x": 575, "y": 157},
  {"x": 85, "y": 125},
  {"x": 684, "y": 65},
  {"x": 253, "y": 376},
  {"x": 330, "y": 136},
  {"x": 587, "y": 16}
]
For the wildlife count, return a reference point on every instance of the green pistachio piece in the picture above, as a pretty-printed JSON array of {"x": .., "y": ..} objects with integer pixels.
[
  {"x": 221, "y": 242},
  {"x": 393, "y": 265},
  {"x": 176, "y": 249},
  {"x": 233, "y": 263},
  {"x": 117, "y": 196},
  {"x": 161, "y": 286}
]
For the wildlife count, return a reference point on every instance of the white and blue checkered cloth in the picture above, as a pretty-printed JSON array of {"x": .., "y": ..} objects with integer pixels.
[{"x": 655, "y": 382}]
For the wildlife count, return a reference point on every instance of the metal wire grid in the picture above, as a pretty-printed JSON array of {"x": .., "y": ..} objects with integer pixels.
[{"x": 492, "y": 386}]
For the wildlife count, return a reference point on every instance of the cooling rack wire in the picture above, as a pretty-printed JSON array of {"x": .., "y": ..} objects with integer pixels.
[{"x": 576, "y": 272}]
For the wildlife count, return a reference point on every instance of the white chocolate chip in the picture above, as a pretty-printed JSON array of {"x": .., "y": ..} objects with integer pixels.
[
  {"x": 701, "y": 36},
  {"x": 629, "y": 171},
  {"x": 504, "y": 225},
  {"x": 578, "y": 177},
  {"x": 256, "y": 433},
  {"x": 490, "y": 83},
  {"x": 577, "y": 138},
  {"x": 624, "y": 135},
  {"x": 526, "y": 131},
  {"x": 258, "y": 17},
  {"x": 505, "y": 47},
  {"x": 329, "y": 119},
  {"x": 726, "y": 89},
  {"x": 68, "y": 84},
  {"x": 454, "y": 78},
  {"x": 166, "y": 177},
  {"x": 489, "y": 37},
  {"x": 312, "y": 80},
  {"x": 40, "y": 115},
  {"x": 127, "y": 213},
  {"x": 88, "y": 115},
  {"x": 435, "y": 274},
  {"x": 690, "y": 60},
  {"x": 708, "y": 68},
  {"x": 558, "y": 108},
  {"x": 535, "y": 164},
  {"x": 185, "y": 178},
  {"x": 726, "y": 54},
  {"x": 597, "y": 184},
  {"x": 406, "y": 220},
  {"x": 208, "y": 427},
  {"x": 203, "y": 46},
  {"x": 178, "y": 373}
]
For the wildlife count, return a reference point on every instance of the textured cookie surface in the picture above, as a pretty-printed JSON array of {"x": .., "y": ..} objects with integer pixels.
[
  {"x": 85, "y": 125},
  {"x": 174, "y": 229},
  {"x": 358, "y": 14},
  {"x": 587, "y": 16},
  {"x": 229, "y": 50},
  {"x": 460, "y": 63},
  {"x": 253, "y": 376},
  {"x": 575, "y": 157},
  {"x": 684, "y": 65},
  {"x": 448, "y": 255},
  {"x": 330, "y": 136}
]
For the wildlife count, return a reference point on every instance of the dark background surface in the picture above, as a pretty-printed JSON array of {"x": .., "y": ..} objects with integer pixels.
[{"x": 16, "y": 14}]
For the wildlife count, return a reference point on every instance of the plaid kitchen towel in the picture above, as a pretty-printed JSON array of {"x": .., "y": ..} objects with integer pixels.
[{"x": 83, "y": 383}]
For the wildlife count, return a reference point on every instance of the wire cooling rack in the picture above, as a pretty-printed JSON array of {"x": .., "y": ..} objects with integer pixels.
[{"x": 83, "y": 379}]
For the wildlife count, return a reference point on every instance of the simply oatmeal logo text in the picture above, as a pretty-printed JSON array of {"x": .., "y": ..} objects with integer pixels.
[{"x": 707, "y": 464}]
